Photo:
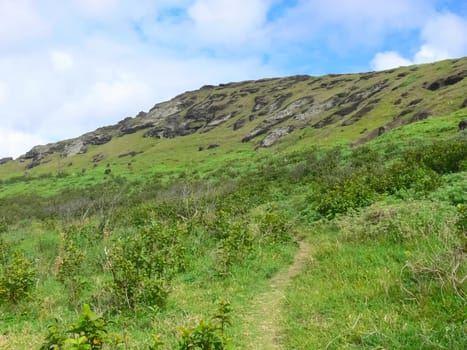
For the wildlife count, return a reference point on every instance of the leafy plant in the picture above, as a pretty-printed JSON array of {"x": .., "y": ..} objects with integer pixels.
[
  {"x": 207, "y": 335},
  {"x": 69, "y": 265},
  {"x": 17, "y": 278},
  {"x": 88, "y": 333},
  {"x": 141, "y": 265}
]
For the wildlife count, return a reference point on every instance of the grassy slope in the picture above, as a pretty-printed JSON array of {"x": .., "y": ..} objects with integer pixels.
[
  {"x": 372, "y": 280},
  {"x": 172, "y": 156}
]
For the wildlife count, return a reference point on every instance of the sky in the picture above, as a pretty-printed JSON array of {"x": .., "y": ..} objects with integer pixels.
[{"x": 70, "y": 66}]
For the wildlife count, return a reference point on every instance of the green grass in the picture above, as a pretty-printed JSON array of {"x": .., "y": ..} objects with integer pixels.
[
  {"x": 387, "y": 263},
  {"x": 366, "y": 288}
]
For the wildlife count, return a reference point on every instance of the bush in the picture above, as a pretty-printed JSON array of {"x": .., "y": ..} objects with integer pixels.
[
  {"x": 342, "y": 196},
  {"x": 16, "y": 279},
  {"x": 141, "y": 264},
  {"x": 89, "y": 333},
  {"x": 275, "y": 227},
  {"x": 208, "y": 335},
  {"x": 446, "y": 156}
]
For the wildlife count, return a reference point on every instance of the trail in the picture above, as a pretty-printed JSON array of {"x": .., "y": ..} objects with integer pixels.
[{"x": 266, "y": 315}]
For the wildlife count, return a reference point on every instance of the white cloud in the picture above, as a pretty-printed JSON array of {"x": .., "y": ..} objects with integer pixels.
[
  {"x": 3, "y": 92},
  {"x": 388, "y": 60},
  {"x": 344, "y": 24},
  {"x": 61, "y": 60},
  {"x": 14, "y": 143},
  {"x": 444, "y": 36},
  {"x": 226, "y": 21},
  {"x": 19, "y": 20},
  {"x": 97, "y": 7}
]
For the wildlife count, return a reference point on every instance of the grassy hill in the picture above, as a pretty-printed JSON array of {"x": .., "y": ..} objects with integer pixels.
[{"x": 302, "y": 212}]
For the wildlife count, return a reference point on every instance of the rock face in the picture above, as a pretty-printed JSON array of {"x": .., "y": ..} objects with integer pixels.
[
  {"x": 5, "y": 160},
  {"x": 276, "y": 135},
  {"x": 265, "y": 111}
]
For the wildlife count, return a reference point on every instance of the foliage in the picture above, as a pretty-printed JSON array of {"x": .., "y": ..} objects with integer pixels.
[
  {"x": 207, "y": 335},
  {"x": 17, "y": 278},
  {"x": 275, "y": 227},
  {"x": 142, "y": 264},
  {"x": 88, "y": 333},
  {"x": 235, "y": 241},
  {"x": 69, "y": 265}
]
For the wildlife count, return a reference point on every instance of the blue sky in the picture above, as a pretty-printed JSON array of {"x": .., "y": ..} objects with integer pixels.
[{"x": 70, "y": 66}]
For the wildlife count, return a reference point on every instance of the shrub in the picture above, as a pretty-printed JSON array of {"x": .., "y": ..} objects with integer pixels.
[
  {"x": 69, "y": 266},
  {"x": 342, "y": 196},
  {"x": 208, "y": 335},
  {"x": 446, "y": 156},
  {"x": 89, "y": 333},
  {"x": 275, "y": 227},
  {"x": 141, "y": 265},
  {"x": 16, "y": 279}
]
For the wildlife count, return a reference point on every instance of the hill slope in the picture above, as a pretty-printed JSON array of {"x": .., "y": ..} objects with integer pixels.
[
  {"x": 329, "y": 237},
  {"x": 307, "y": 110}
]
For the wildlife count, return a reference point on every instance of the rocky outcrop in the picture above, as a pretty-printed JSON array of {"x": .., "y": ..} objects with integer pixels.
[
  {"x": 280, "y": 116},
  {"x": 276, "y": 135},
  {"x": 271, "y": 108},
  {"x": 449, "y": 80},
  {"x": 5, "y": 160}
]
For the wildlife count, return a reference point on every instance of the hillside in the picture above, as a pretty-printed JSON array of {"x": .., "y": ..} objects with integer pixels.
[
  {"x": 279, "y": 214},
  {"x": 296, "y": 111}
]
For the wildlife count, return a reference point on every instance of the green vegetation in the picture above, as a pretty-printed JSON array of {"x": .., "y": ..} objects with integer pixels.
[{"x": 201, "y": 253}]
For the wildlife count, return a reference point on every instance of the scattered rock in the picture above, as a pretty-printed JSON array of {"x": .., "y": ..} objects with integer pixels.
[
  {"x": 97, "y": 139},
  {"x": 35, "y": 162},
  {"x": 73, "y": 148},
  {"x": 404, "y": 112},
  {"x": 361, "y": 95},
  {"x": 131, "y": 129},
  {"x": 217, "y": 97},
  {"x": 161, "y": 133},
  {"x": 256, "y": 132},
  {"x": 129, "y": 154},
  {"x": 316, "y": 109},
  {"x": 419, "y": 116},
  {"x": 5, "y": 160},
  {"x": 107, "y": 171},
  {"x": 347, "y": 110},
  {"x": 414, "y": 102},
  {"x": 357, "y": 116},
  {"x": 200, "y": 148},
  {"x": 368, "y": 76},
  {"x": 450, "y": 80},
  {"x": 98, "y": 157},
  {"x": 397, "y": 102},
  {"x": 462, "y": 125},
  {"x": 250, "y": 89},
  {"x": 276, "y": 135},
  {"x": 239, "y": 124},
  {"x": 213, "y": 146},
  {"x": 464, "y": 104},
  {"x": 221, "y": 120}
]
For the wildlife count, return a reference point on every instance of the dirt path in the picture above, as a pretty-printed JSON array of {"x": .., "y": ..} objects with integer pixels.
[{"x": 267, "y": 313}]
